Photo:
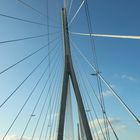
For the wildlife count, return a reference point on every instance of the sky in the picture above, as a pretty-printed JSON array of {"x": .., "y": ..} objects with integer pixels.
[{"x": 118, "y": 61}]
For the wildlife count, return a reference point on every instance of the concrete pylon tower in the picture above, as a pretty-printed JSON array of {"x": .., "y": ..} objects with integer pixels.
[{"x": 69, "y": 74}]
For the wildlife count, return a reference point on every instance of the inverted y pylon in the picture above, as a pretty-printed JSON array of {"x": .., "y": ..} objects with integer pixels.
[{"x": 69, "y": 73}]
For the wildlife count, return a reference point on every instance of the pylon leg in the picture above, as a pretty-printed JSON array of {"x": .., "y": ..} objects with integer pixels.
[
  {"x": 63, "y": 104},
  {"x": 80, "y": 103},
  {"x": 69, "y": 72}
]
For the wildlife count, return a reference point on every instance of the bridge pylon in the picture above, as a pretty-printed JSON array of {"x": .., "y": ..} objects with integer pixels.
[{"x": 69, "y": 74}]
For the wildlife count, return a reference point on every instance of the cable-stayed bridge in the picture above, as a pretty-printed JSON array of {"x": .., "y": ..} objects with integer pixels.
[{"x": 52, "y": 87}]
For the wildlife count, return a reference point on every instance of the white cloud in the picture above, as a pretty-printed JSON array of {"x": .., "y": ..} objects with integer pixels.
[
  {"x": 117, "y": 129},
  {"x": 121, "y": 127},
  {"x": 138, "y": 138},
  {"x": 15, "y": 137},
  {"x": 53, "y": 116},
  {"x": 127, "y": 77},
  {"x": 116, "y": 122},
  {"x": 101, "y": 121},
  {"x": 106, "y": 93},
  {"x": 53, "y": 138}
]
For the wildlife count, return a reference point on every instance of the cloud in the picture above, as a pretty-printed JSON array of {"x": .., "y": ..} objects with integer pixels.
[
  {"x": 127, "y": 77},
  {"x": 107, "y": 93},
  {"x": 138, "y": 138},
  {"x": 121, "y": 127},
  {"x": 117, "y": 129},
  {"x": 116, "y": 122},
  {"x": 15, "y": 137},
  {"x": 53, "y": 138},
  {"x": 101, "y": 121}
]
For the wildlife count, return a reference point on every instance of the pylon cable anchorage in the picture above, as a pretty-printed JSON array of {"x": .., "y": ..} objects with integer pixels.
[
  {"x": 3, "y": 103},
  {"x": 37, "y": 102},
  {"x": 108, "y": 85},
  {"x": 28, "y": 56}
]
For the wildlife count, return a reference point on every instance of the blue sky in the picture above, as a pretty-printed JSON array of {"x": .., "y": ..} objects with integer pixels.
[{"x": 118, "y": 61}]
